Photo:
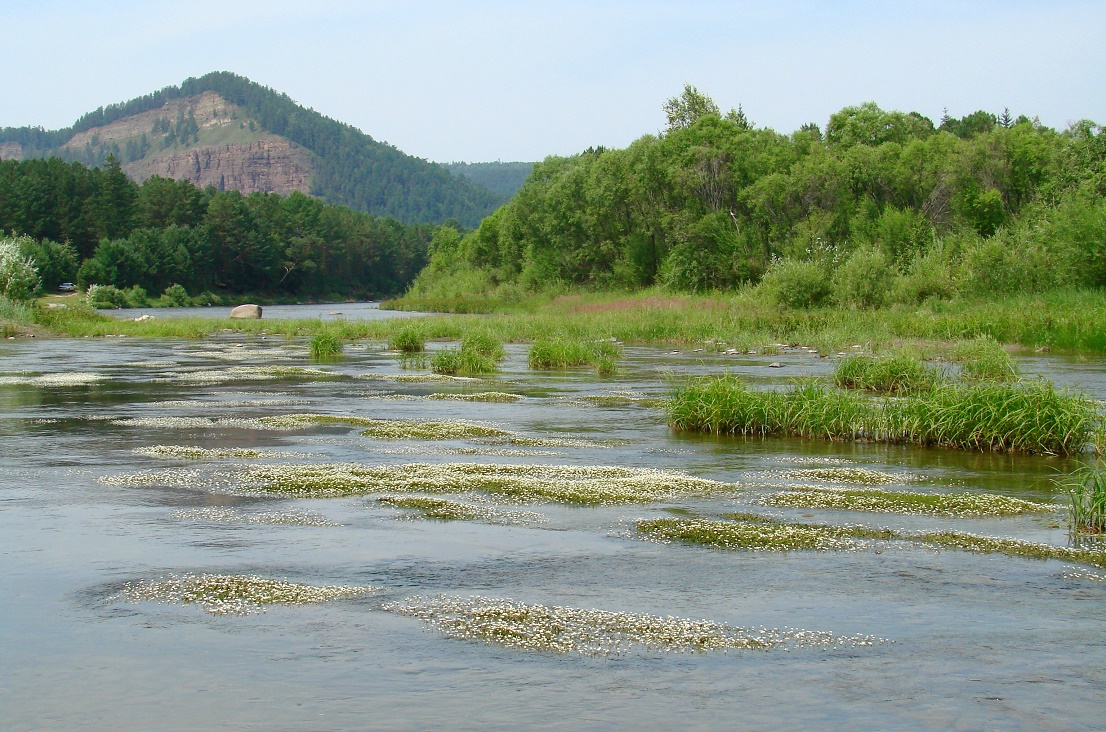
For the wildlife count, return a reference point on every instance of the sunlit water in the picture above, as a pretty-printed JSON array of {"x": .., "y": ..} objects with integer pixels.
[{"x": 978, "y": 642}]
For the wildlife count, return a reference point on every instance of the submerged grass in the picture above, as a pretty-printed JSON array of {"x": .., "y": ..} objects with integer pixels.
[
  {"x": 570, "y": 484},
  {"x": 225, "y": 515},
  {"x": 528, "y": 627},
  {"x": 1033, "y": 417},
  {"x": 953, "y": 505},
  {"x": 440, "y": 509},
  {"x": 759, "y": 534},
  {"x": 229, "y": 594}
]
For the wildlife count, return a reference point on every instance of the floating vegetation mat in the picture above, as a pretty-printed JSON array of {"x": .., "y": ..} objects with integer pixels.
[
  {"x": 954, "y": 505},
  {"x": 229, "y": 594},
  {"x": 452, "y": 450},
  {"x": 243, "y": 353},
  {"x": 862, "y": 476},
  {"x": 198, "y": 423},
  {"x": 416, "y": 378},
  {"x": 439, "y": 509},
  {"x": 187, "y": 452},
  {"x": 484, "y": 396},
  {"x": 555, "y": 629},
  {"x": 753, "y": 533},
  {"x": 580, "y": 485},
  {"x": 51, "y": 380},
  {"x": 750, "y": 532},
  {"x": 224, "y": 515},
  {"x": 250, "y": 373},
  {"x": 614, "y": 399}
]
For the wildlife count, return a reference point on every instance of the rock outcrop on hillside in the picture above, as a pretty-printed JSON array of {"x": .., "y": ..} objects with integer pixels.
[{"x": 272, "y": 165}]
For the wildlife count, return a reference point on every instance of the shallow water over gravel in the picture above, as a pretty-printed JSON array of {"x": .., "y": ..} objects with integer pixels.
[{"x": 978, "y": 641}]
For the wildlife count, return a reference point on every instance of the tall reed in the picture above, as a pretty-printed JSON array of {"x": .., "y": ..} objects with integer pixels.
[{"x": 1086, "y": 489}]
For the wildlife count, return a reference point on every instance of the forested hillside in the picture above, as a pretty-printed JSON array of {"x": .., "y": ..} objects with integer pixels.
[
  {"x": 499, "y": 177},
  {"x": 341, "y": 164},
  {"x": 876, "y": 205},
  {"x": 96, "y": 226}
]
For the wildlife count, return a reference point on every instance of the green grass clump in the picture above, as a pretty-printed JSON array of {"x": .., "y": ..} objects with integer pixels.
[
  {"x": 984, "y": 359},
  {"x": 896, "y": 374},
  {"x": 758, "y": 534},
  {"x": 1086, "y": 489},
  {"x": 407, "y": 339},
  {"x": 1033, "y": 418},
  {"x": 325, "y": 345},
  {"x": 453, "y": 361},
  {"x": 564, "y": 354},
  {"x": 485, "y": 344},
  {"x": 956, "y": 505}
]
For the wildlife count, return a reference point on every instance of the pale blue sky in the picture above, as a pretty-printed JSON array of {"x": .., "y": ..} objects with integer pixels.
[{"x": 486, "y": 79}]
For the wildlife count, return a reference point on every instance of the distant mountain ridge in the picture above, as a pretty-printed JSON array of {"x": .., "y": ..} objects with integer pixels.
[{"x": 226, "y": 131}]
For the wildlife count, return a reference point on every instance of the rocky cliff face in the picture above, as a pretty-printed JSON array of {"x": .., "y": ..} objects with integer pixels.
[
  {"x": 272, "y": 165},
  {"x": 228, "y": 150},
  {"x": 11, "y": 151}
]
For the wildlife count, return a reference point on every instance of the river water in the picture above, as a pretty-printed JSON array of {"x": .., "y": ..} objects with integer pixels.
[{"x": 974, "y": 641}]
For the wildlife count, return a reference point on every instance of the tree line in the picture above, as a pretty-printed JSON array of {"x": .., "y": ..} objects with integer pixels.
[
  {"x": 983, "y": 204},
  {"x": 96, "y": 226}
]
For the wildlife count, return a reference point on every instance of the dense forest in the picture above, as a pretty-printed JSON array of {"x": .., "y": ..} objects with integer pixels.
[
  {"x": 351, "y": 168},
  {"x": 96, "y": 226},
  {"x": 876, "y": 205}
]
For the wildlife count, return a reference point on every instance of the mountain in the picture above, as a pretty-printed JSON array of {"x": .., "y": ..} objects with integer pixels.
[{"x": 226, "y": 131}]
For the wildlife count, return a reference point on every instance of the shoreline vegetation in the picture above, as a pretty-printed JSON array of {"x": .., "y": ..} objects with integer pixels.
[{"x": 1066, "y": 320}]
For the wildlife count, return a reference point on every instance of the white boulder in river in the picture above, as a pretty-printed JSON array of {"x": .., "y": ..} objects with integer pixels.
[{"x": 246, "y": 311}]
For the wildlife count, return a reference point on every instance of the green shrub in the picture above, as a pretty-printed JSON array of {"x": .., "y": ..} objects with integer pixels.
[
  {"x": 795, "y": 284},
  {"x": 175, "y": 296},
  {"x": 864, "y": 280},
  {"x": 929, "y": 276},
  {"x": 408, "y": 339},
  {"x": 18, "y": 275}
]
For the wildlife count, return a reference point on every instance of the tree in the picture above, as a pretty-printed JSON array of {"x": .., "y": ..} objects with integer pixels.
[
  {"x": 18, "y": 274},
  {"x": 686, "y": 109}
]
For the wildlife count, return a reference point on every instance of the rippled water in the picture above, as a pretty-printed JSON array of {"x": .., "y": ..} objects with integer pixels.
[{"x": 977, "y": 641}]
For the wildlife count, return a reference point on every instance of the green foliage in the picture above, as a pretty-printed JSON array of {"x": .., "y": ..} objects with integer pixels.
[
  {"x": 898, "y": 373},
  {"x": 498, "y": 177},
  {"x": 1086, "y": 489},
  {"x": 796, "y": 284},
  {"x": 175, "y": 296},
  {"x": 484, "y": 344},
  {"x": 1031, "y": 418},
  {"x": 325, "y": 345},
  {"x": 18, "y": 275},
  {"x": 103, "y": 297},
  {"x": 864, "y": 279},
  {"x": 56, "y": 263}
]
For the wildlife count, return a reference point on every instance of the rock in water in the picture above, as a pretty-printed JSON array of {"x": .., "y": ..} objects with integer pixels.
[{"x": 246, "y": 311}]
